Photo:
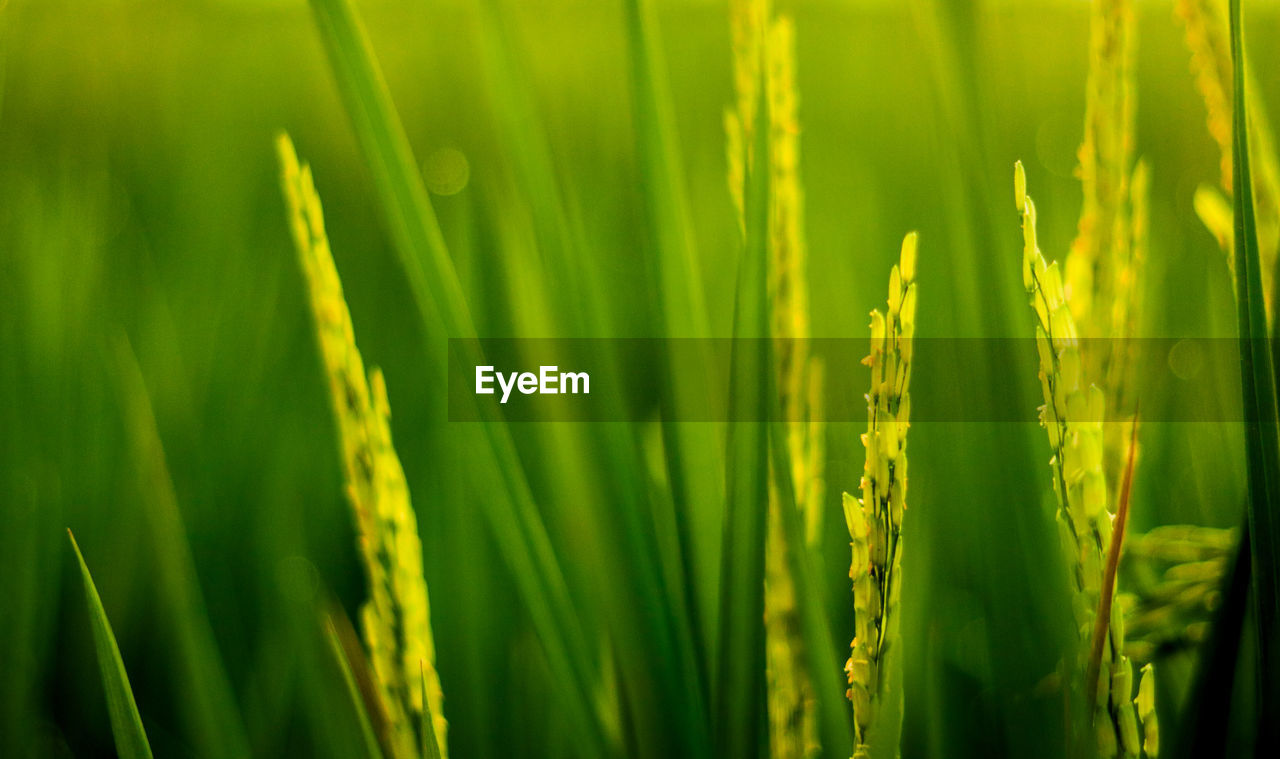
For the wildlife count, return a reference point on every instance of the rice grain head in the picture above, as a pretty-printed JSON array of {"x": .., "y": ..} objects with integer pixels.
[
  {"x": 395, "y": 620},
  {"x": 1175, "y": 576},
  {"x": 1072, "y": 415},
  {"x": 875, "y": 521}
]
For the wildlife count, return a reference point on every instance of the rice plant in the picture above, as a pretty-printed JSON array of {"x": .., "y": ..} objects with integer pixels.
[
  {"x": 1072, "y": 415},
  {"x": 647, "y": 570},
  {"x": 396, "y": 619},
  {"x": 875, "y": 520}
]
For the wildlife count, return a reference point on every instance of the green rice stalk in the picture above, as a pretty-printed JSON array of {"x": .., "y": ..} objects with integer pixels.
[
  {"x": 1073, "y": 414},
  {"x": 395, "y": 620},
  {"x": 760, "y": 39},
  {"x": 875, "y": 522}
]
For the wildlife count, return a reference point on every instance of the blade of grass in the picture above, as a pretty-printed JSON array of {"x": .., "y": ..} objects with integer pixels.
[
  {"x": 412, "y": 221},
  {"x": 672, "y": 638},
  {"x": 126, "y": 723},
  {"x": 372, "y": 748},
  {"x": 210, "y": 708},
  {"x": 1259, "y": 391},
  {"x": 662, "y": 183},
  {"x": 693, "y": 450},
  {"x": 353, "y": 655},
  {"x": 740, "y": 695},
  {"x": 515, "y": 521}
]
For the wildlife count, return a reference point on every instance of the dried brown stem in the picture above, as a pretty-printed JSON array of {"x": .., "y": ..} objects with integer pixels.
[{"x": 1103, "y": 618}]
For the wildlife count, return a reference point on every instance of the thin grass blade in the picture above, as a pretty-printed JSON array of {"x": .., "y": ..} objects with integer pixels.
[
  {"x": 210, "y": 710},
  {"x": 1259, "y": 391},
  {"x": 515, "y": 520},
  {"x": 693, "y": 449},
  {"x": 126, "y": 723},
  {"x": 740, "y": 719},
  {"x": 372, "y": 748}
]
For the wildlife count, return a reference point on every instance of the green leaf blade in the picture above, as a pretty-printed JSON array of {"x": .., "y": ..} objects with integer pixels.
[
  {"x": 740, "y": 706},
  {"x": 1258, "y": 385},
  {"x": 515, "y": 521},
  {"x": 126, "y": 723}
]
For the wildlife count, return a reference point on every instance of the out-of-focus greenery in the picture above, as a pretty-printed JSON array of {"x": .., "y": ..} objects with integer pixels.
[{"x": 139, "y": 201}]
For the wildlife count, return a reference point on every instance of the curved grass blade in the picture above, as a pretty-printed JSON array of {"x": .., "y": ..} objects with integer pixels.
[
  {"x": 740, "y": 718},
  {"x": 658, "y": 571},
  {"x": 515, "y": 521},
  {"x": 373, "y": 749},
  {"x": 661, "y": 180},
  {"x": 126, "y": 723},
  {"x": 1259, "y": 391},
  {"x": 693, "y": 449},
  {"x": 1207, "y": 714},
  {"x": 210, "y": 710}
]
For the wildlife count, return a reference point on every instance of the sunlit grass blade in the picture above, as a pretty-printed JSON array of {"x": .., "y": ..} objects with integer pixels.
[
  {"x": 1259, "y": 390},
  {"x": 524, "y": 137},
  {"x": 740, "y": 718},
  {"x": 372, "y": 748},
  {"x": 407, "y": 209},
  {"x": 661, "y": 179},
  {"x": 515, "y": 521},
  {"x": 126, "y": 723},
  {"x": 660, "y": 571},
  {"x": 210, "y": 706}
]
